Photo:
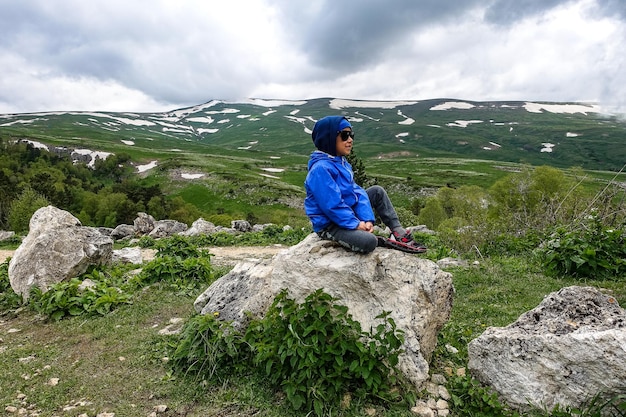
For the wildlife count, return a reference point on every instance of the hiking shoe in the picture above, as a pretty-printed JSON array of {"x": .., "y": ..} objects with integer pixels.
[{"x": 405, "y": 243}]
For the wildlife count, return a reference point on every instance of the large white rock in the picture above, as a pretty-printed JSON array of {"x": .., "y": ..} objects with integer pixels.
[
  {"x": 565, "y": 351},
  {"x": 416, "y": 292},
  {"x": 56, "y": 248}
]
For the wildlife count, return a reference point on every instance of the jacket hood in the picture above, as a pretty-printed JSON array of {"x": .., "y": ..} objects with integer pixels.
[{"x": 325, "y": 133}]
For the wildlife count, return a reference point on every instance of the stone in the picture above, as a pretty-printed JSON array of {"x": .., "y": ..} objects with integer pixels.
[
  {"x": 565, "y": 351},
  {"x": 143, "y": 224},
  {"x": 123, "y": 231},
  {"x": 57, "y": 248},
  {"x": 6, "y": 235},
  {"x": 128, "y": 255},
  {"x": 241, "y": 225},
  {"x": 166, "y": 228},
  {"x": 452, "y": 263},
  {"x": 199, "y": 227},
  {"x": 415, "y": 290}
]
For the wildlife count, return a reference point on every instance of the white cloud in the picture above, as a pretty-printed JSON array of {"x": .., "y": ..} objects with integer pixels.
[{"x": 160, "y": 55}]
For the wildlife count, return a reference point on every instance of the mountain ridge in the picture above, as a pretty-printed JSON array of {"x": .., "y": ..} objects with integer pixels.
[{"x": 561, "y": 134}]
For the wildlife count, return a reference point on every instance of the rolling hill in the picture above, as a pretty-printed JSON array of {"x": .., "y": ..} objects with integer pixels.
[{"x": 557, "y": 134}]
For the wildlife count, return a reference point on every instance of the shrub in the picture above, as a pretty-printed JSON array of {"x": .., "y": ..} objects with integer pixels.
[
  {"x": 23, "y": 208},
  {"x": 176, "y": 270},
  {"x": 591, "y": 251},
  {"x": 315, "y": 352},
  {"x": 9, "y": 300},
  {"x": 70, "y": 299}
]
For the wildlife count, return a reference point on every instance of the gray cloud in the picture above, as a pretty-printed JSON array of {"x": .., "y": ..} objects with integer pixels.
[
  {"x": 160, "y": 53},
  {"x": 505, "y": 12}
]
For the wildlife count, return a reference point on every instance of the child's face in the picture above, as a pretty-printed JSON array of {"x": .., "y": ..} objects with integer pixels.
[{"x": 344, "y": 142}]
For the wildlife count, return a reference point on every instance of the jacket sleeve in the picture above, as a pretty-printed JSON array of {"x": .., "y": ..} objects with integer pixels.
[
  {"x": 363, "y": 207},
  {"x": 327, "y": 194}
]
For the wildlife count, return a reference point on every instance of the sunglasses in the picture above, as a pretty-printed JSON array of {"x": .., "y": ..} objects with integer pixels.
[{"x": 345, "y": 134}]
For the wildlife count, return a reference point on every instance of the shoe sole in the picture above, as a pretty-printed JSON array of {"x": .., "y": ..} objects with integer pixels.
[{"x": 394, "y": 244}]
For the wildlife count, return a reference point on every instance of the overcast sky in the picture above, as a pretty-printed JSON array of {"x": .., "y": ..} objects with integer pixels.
[{"x": 157, "y": 55}]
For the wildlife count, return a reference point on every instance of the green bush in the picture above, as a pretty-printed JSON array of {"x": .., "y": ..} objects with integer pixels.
[
  {"x": 9, "y": 300},
  {"x": 67, "y": 298},
  {"x": 210, "y": 348},
  {"x": 314, "y": 352},
  {"x": 592, "y": 251},
  {"x": 23, "y": 208},
  {"x": 177, "y": 271}
]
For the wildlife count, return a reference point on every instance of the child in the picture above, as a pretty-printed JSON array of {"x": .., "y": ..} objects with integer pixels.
[{"x": 341, "y": 210}]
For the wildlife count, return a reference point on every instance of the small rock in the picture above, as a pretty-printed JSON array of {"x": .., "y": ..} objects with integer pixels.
[
  {"x": 443, "y": 393},
  {"x": 53, "y": 382},
  {"x": 442, "y": 405},
  {"x": 431, "y": 403},
  {"x": 431, "y": 388},
  {"x": 10, "y": 409},
  {"x": 438, "y": 379},
  {"x": 422, "y": 410},
  {"x": 451, "y": 349},
  {"x": 160, "y": 408}
]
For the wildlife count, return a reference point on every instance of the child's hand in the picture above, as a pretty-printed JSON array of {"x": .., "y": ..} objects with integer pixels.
[{"x": 366, "y": 226}]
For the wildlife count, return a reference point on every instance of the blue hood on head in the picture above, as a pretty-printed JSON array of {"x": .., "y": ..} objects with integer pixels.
[{"x": 325, "y": 133}]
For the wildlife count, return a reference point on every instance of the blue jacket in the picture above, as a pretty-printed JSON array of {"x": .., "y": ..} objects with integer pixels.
[{"x": 332, "y": 196}]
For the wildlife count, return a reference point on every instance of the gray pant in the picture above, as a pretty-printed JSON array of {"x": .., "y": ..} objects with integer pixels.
[{"x": 360, "y": 240}]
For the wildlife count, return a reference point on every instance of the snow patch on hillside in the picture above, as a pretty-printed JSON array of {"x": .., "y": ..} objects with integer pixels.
[
  {"x": 463, "y": 123},
  {"x": 561, "y": 108},
  {"x": 407, "y": 120},
  {"x": 191, "y": 176},
  {"x": 338, "y": 104},
  {"x": 453, "y": 105},
  {"x": 144, "y": 168}
]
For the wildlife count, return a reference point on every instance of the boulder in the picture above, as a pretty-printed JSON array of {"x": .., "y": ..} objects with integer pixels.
[
  {"x": 203, "y": 227},
  {"x": 241, "y": 225},
  {"x": 123, "y": 231},
  {"x": 129, "y": 255},
  {"x": 415, "y": 290},
  {"x": 565, "y": 351},
  {"x": 144, "y": 223},
  {"x": 199, "y": 227},
  {"x": 56, "y": 248},
  {"x": 6, "y": 235},
  {"x": 166, "y": 228}
]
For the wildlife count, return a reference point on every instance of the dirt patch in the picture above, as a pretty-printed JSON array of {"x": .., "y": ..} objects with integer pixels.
[{"x": 4, "y": 254}]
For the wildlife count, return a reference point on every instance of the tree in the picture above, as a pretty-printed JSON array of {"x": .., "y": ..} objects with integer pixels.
[
  {"x": 360, "y": 177},
  {"x": 23, "y": 208}
]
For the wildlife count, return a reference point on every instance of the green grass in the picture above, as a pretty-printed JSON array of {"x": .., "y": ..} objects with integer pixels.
[{"x": 117, "y": 363}]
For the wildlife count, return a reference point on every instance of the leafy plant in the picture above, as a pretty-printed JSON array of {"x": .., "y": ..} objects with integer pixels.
[
  {"x": 9, "y": 300},
  {"x": 72, "y": 298},
  {"x": 315, "y": 352},
  {"x": 470, "y": 398},
  {"x": 209, "y": 347},
  {"x": 177, "y": 271},
  {"x": 178, "y": 246},
  {"x": 592, "y": 251}
]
